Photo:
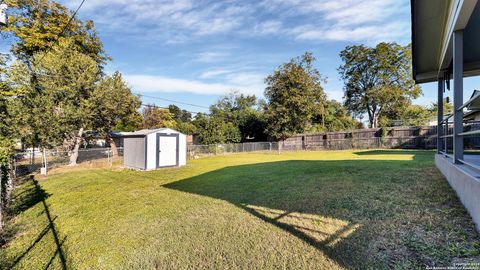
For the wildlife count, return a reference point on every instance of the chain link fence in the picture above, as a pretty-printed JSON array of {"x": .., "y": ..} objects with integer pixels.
[
  {"x": 33, "y": 161},
  {"x": 413, "y": 142}
]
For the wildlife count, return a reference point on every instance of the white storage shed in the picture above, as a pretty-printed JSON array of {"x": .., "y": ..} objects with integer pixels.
[{"x": 150, "y": 149}]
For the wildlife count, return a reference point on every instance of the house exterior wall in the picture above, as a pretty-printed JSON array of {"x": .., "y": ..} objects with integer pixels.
[
  {"x": 134, "y": 153},
  {"x": 465, "y": 185}
]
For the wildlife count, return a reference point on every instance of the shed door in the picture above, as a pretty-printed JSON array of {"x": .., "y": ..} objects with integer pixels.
[{"x": 167, "y": 152}]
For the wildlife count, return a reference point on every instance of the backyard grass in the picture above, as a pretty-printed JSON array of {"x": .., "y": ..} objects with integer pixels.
[{"x": 304, "y": 210}]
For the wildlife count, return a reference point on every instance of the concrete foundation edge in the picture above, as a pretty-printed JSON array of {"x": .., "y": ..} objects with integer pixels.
[{"x": 465, "y": 184}]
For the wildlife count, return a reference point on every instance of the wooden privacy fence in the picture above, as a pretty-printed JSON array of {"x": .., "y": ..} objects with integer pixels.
[{"x": 395, "y": 137}]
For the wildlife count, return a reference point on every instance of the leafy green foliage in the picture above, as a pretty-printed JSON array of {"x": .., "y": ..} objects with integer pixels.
[
  {"x": 377, "y": 80},
  {"x": 7, "y": 129},
  {"x": 37, "y": 24},
  {"x": 155, "y": 117},
  {"x": 183, "y": 119},
  {"x": 57, "y": 100},
  {"x": 112, "y": 104},
  {"x": 447, "y": 108},
  {"x": 59, "y": 60},
  {"x": 335, "y": 118},
  {"x": 414, "y": 115},
  {"x": 58, "y": 79},
  {"x": 180, "y": 115},
  {"x": 242, "y": 111},
  {"x": 186, "y": 128},
  {"x": 212, "y": 130},
  {"x": 294, "y": 94}
]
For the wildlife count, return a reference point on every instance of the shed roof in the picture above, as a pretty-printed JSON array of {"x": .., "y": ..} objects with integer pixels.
[
  {"x": 433, "y": 21},
  {"x": 144, "y": 132}
]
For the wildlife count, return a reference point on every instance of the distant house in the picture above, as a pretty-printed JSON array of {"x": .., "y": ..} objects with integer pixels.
[
  {"x": 472, "y": 116},
  {"x": 473, "y": 113}
]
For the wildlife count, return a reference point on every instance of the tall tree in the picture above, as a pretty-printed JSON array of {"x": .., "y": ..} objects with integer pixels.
[
  {"x": 37, "y": 26},
  {"x": 377, "y": 79},
  {"x": 416, "y": 115},
  {"x": 57, "y": 102},
  {"x": 212, "y": 130},
  {"x": 183, "y": 119},
  {"x": 112, "y": 103},
  {"x": 294, "y": 93},
  {"x": 7, "y": 135},
  {"x": 335, "y": 117},
  {"x": 62, "y": 58},
  {"x": 180, "y": 115},
  {"x": 155, "y": 117},
  {"x": 447, "y": 108},
  {"x": 186, "y": 128},
  {"x": 244, "y": 112}
]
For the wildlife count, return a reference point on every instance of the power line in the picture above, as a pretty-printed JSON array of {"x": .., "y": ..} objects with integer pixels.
[
  {"x": 156, "y": 106},
  {"x": 146, "y": 105},
  {"x": 142, "y": 95},
  {"x": 174, "y": 101},
  {"x": 63, "y": 30}
]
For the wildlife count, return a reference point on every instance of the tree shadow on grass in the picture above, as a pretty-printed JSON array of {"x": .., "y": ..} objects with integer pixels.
[
  {"x": 334, "y": 206},
  {"x": 31, "y": 195}
]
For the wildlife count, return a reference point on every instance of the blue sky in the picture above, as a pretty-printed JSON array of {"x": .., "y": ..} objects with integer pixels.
[{"x": 196, "y": 50}]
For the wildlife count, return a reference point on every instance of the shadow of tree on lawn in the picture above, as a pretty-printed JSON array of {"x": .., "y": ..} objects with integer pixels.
[
  {"x": 331, "y": 205},
  {"x": 31, "y": 195}
]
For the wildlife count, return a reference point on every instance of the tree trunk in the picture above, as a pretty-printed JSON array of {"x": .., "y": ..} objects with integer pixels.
[
  {"x": 10, "y": 183},
  {"x": 32, "y": 158},
  {"x": 6, "y": 188},
  {"x": 113, "y": 145},
  {"x": 1, "y": 197},
  {"x": 375, "y": 121},
  {"x": 74, "y": 155},
  {"x": 370, "y": 118},
  {"x": 323, "y": 117}
]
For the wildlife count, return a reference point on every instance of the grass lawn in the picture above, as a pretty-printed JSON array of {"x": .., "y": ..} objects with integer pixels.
[{"x": 330, "y": 210}]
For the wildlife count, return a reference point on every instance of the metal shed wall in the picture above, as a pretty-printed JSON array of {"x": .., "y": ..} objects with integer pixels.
[{"x": 134, "y": 152}]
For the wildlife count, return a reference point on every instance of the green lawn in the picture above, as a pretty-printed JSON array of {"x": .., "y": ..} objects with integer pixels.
[{"x": 342, "y": 209}]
